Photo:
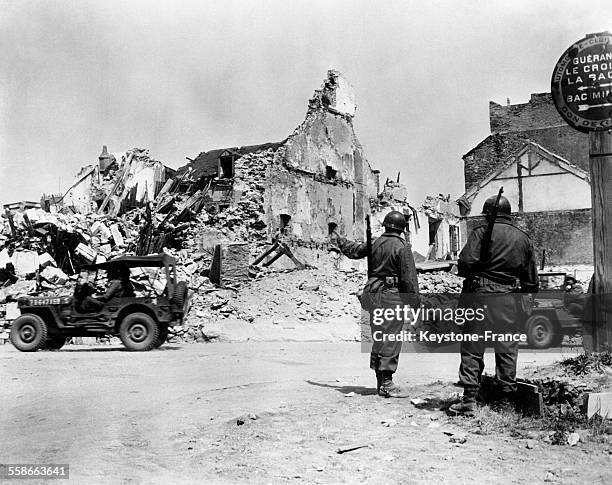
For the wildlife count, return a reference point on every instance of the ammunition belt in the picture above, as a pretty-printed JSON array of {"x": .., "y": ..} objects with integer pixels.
[{"x": 483, "y": 280}]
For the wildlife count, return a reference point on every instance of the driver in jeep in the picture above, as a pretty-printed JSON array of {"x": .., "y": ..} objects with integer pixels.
[{"x": 119, "y": 285}]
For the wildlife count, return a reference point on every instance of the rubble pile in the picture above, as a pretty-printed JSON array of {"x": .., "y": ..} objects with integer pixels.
[
  {"x": 47, "y": 248},
  {"x": 273, "y": 297},
  {"x": 289, "y": 298},
  {"x": 440, "y": 282}
]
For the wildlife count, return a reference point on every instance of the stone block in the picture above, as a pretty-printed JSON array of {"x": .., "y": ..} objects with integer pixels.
[{"x": 599, "y": 403}]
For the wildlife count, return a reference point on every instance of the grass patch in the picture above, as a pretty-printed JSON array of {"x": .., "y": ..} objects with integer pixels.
[{"x": 502, "y": 419}]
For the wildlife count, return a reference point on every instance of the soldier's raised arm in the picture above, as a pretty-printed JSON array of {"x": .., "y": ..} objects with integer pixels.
[{"x": 351, "y": 249}]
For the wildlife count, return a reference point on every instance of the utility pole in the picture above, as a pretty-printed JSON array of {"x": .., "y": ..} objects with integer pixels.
[
  {"x": 580, "y": 87},
  {"x": 600, "y": 157}
]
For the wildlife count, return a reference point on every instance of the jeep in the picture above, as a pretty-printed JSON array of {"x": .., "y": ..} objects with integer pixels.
[
  {"x": 141, "y": 322},
  {"x": 550, "y": 320}
]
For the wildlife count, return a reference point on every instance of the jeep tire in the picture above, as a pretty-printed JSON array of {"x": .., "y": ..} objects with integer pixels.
[
  {"x": 28, "y": 333},
  {"x": 541, "y": 332},
  {"x": 162, "y": 337},
  {"x": 138, "y": 331}
]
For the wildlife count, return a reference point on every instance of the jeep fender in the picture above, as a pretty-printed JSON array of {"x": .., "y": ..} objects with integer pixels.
[
  {"x": 135, "y": 308},
  {"x": 50, "y": 315}
]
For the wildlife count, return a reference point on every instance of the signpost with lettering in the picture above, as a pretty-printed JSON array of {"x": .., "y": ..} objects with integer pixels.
[{"x": 581, "y": 87}]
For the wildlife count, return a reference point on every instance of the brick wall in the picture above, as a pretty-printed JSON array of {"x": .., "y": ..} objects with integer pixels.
[
  {"x": 490, "y": 154},
  {"x": 539, "y": 112},
  {"x": 566, "y": 235}
]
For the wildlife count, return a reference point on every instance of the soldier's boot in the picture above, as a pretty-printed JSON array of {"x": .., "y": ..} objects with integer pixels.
[
  {"x": 467, "y": 405},
  {"x": 388, "y": 388},
  {"x": 379, "y": 379}
]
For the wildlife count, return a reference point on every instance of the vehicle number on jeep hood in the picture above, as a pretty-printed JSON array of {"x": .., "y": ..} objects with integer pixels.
[{"x": 45, "y": 301}]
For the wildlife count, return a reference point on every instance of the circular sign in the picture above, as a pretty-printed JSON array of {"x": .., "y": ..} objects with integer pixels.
[{"x": 581, "y": 83}]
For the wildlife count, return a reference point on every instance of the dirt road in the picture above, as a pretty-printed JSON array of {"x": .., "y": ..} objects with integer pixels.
[{"x": 173, "y": 416}]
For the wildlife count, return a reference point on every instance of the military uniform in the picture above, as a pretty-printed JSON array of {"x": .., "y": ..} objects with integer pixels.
[
  {"x": 510, "y": 269},
  {"x": 574, "y": 297},
  {"x": 393, "y": 281}
]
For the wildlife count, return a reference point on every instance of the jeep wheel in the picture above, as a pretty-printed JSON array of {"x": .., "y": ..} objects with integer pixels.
[
  {"x": 540, "y": 332},
  {"x": 138, "y": 331},
  {"x": 163, "y": 336},
  {"x": 28, "y": 333},
  {"x": 55, "y": 343}
]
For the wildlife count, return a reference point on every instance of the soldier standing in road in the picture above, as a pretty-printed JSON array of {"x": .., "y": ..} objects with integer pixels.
[
  {"x": 392, "y": 282},
  {"x": 509, "y": 268}
]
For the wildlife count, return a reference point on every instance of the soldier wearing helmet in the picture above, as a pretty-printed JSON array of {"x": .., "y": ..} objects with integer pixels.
[
  {"x": 392, "y": 282},
  {"x": 508, "y": 268}
]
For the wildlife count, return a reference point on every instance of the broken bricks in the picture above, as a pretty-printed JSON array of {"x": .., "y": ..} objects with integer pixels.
[{"x": 54, "y": 276}]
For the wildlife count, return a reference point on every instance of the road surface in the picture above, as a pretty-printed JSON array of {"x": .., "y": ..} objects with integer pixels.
[{"x": 174, "y": 415}]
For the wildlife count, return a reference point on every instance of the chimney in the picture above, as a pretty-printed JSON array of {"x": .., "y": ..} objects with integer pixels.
[{"x": 106, "y": 159}]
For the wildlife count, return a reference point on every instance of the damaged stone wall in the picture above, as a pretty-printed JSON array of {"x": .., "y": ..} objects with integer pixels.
[
  {"x": 310, "y": 204},
  {"x": 320, "y": 172},
  {"x": 244, "y": 219}
]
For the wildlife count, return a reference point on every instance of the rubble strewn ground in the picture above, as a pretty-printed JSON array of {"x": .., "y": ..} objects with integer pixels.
[
  {"x": 279, "y": 299},
  {"x": 298, "y": 405}
]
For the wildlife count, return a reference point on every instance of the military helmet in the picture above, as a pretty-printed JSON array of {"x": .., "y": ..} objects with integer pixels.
[
  {"x": 504, "y": 206},
  {"x": 395, "y": 220}
]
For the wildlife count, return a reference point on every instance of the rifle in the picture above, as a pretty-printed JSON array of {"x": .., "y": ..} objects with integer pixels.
[
  {"x": 369, "y": 244},
  {"x": 485, "y": 246}
]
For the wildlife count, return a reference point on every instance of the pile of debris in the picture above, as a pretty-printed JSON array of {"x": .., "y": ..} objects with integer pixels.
[
  {"x": 575, "y": 394},
  {"x": 290, "y": 297},
  {"x": 440, "y": 282},
  {"x": 275, "y": 297},
  {"x": 44, "y": 249}
]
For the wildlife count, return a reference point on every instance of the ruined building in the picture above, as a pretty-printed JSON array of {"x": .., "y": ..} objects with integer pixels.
[
  {"x": 117, "y": 183},
  {"x": 433, "y": 227},
  {"x": 297, "y": 186},
  {"x": 542, "y": 163}
]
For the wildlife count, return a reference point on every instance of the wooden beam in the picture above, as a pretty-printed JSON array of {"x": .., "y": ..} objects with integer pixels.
[
  {"x": 519, "y": 172},
  {"x": 9, "y": 216},
  {"x": 600, "y": 155},
  {"x": 120, "y": 178}
]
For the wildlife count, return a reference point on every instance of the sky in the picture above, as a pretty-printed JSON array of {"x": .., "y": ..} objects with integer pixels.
[{"x": 179, "y": 78}]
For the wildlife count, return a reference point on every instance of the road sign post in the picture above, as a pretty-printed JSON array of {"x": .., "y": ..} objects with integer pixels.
[
  {"x": 581, "y": 87},
  {"x": 600, "y": 156}
]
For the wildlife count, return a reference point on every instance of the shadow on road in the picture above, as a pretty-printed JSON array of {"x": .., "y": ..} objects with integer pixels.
[
  {"x": 115, "y": 349},
  {"x": 437, "y": 403},
  {"x": 361, "y": 390}
]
